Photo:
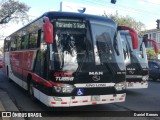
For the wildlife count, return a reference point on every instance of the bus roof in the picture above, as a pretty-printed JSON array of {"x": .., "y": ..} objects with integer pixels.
[
  {"x": 54, "y": 14},
  {"x": 77, "y": 15}
]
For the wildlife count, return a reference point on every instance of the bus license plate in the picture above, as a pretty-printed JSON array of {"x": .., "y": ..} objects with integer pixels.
[
  {"x": 130, "y": 84},
  {"x": 95, "y": 98}
]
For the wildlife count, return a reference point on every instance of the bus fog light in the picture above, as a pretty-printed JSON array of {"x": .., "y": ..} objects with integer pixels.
[
  {"x": 144, "y": 78},
  {"x": 120, "y": 86},
  {"x": 58, "y": 89}
]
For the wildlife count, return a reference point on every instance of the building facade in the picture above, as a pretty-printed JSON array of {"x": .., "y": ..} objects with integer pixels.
[{"x": 153, "y": 34}]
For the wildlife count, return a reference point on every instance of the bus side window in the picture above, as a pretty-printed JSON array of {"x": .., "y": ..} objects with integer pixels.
[
  {"x": 13, "y": 45},
  {"x": 6, "y": 46},
  {"x": 24, "y": 40},
  {"x": 40, "y": 66},
  {"x": 41, "y": 63},
  {"x": 18, "y": 43},
  {"x": 33, "y": 40}
]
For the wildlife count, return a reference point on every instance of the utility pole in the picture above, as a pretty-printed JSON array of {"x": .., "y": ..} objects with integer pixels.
[{"x": 158, "y": 23}]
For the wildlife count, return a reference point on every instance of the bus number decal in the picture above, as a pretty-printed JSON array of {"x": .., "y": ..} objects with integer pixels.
[{"x": 64, "y": 78}]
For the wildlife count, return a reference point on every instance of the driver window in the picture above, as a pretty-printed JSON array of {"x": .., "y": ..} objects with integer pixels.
[
  {"x": 125, "y": 47},
  {"x": 41, "y": 66}
]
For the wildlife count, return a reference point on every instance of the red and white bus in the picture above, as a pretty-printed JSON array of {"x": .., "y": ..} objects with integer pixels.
[
  {"x": 68, "y": 59},
  {"x": 137, "y": 71}
]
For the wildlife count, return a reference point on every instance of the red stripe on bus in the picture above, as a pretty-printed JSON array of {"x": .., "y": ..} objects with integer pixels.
[
  {"x": 63, "y": 102},
  {"x": 53, "y": 102},
  {"x": 85, "y": 100},
  {"x": 74, "y": 101},
  {"x": 94, "y": 103},
  {"x": 104, "y": 100},
  {"x": 111, "y": 99},
  {"x": 40, "y": 80},
  {"x": 120, "y": 98}
]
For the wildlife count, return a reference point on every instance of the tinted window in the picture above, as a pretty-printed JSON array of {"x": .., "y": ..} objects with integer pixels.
[
  {"x": 6, "y": 46},
  {"x": 18, "y": 43},
  {"x": 149, "y": 63},
  {"x": 33, "y": 40},
  {"x": 13, "y": 44},
  {"x": 25, "y": 42},
  {"x": 102, "y": 40}
]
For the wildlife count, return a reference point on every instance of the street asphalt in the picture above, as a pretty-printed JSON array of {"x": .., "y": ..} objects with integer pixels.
[{"x": 7, "y": 105}]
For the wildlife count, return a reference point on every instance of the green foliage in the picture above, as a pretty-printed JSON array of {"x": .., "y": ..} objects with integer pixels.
[
  {"x": 151, "y": 53},
  {"x": 128, "y": 21}
]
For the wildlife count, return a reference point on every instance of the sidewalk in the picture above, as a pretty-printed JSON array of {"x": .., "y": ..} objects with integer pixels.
[{"x": 7, "y": 105}]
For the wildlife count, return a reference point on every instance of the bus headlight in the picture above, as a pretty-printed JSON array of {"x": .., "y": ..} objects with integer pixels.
[
  {"x": 64, "y": 88},
  {"x": 144, "y": 78},
  {"x": 120, "y": 86}
]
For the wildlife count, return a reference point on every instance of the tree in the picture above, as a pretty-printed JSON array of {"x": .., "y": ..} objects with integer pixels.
[
  {"x": 128, "y": 21},
  {"x": 11, "y": 10},
  {"x": 151, "y": 54}
]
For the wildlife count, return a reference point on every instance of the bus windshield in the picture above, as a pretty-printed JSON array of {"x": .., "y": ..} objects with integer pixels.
[
  {"x": 70, "y": 44},
  {"x": 141, "y": 53},
  {"x": 74, "y": 47},
  {"x": 103, "y": 35}
]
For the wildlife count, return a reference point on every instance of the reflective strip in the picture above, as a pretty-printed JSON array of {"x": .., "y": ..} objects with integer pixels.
[
  {"x": 53, "y": 102},
  {"x": 120, "y": 98},
  {"x": 85, "y": 100},
  {"x": 111, "y": 99},
  {"x": 63, "y": 102},
  {"x": 104, "y": 100},
  {"x": 91, "y": 85},
  {"x": 74, "y": 101},
  {"x": 94, "y": 103}
]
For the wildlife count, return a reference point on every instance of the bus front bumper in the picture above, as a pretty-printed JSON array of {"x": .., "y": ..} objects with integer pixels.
[{"x": 53, "y": 101}]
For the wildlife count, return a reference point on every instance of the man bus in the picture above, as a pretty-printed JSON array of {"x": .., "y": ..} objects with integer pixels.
[
  {"x": 137, "y": 71},
  {"x": 68, "y": 59}
]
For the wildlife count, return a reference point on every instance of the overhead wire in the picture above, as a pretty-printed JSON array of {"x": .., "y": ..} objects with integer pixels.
[
  {"x": 120, "y": 7},
  {"x": 146, "y": 1}
]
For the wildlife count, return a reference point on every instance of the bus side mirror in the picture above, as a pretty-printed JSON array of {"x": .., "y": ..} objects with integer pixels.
[
  {"x": 133, "y": 35},
  {"x": 48, "y": 31},
  {"x": 156, "y": 48}
]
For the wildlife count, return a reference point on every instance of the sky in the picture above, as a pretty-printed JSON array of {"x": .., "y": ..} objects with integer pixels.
[{"x": 145, "y": 11}]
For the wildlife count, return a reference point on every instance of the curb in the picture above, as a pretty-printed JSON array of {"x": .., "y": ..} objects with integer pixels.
[
  {"x": 7, "y": 105},
  {"x": 2, "y": 109}
]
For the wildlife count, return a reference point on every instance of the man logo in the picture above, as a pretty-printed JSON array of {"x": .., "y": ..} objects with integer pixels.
[
  {"x": 96, "y": 78},
  {"x": 131, "y": 72},
  {"x": 95, "y": 73}
]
